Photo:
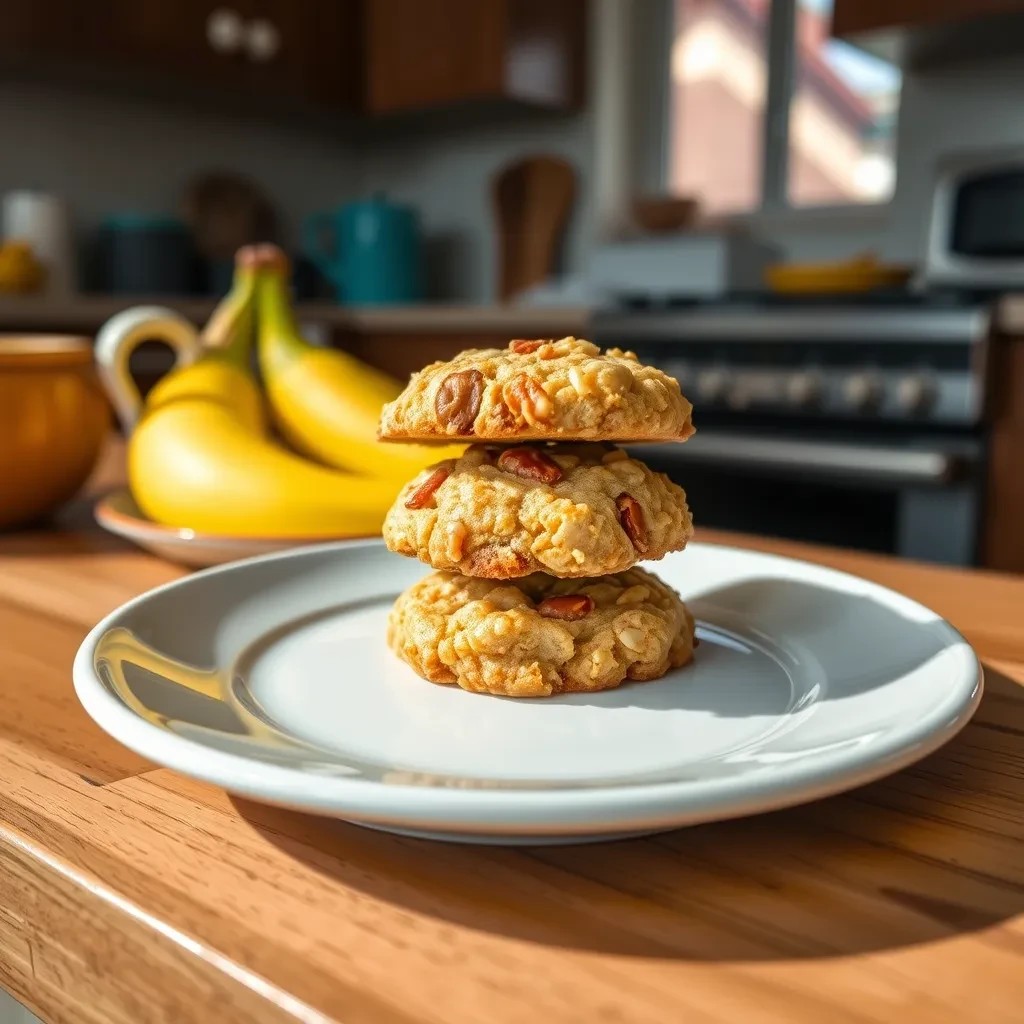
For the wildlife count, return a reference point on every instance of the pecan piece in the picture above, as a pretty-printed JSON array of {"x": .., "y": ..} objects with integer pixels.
[
  {"x": 566, "y": 607},
  {"x": 631, "y": 517},
  {"x": 505, "y": 416},
  {"x": 424, "y": 494},
  {"x": 523, "y": 346},
  {"x": 527, "y": 399},
  {"x": 530, "y": 464},
  {"x": 458, "y": 400}
]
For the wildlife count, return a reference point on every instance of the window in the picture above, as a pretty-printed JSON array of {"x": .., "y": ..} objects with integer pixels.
[{"x": 765, "y": 110}]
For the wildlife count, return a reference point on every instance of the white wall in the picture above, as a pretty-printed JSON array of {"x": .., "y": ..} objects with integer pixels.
[
  {"x": 975, "y": 105},
  {"x": 106, "y": 153},
  {"x": 448, "y": 178}
]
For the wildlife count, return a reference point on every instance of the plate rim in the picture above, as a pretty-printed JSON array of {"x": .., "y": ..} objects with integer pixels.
[{"x": 495, "y": 811}]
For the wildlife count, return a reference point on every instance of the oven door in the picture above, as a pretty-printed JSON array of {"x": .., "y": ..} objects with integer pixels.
[{"x": 919, "y": 500}]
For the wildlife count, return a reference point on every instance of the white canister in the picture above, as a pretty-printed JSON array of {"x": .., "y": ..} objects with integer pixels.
[{"x": 44, "y": 222}]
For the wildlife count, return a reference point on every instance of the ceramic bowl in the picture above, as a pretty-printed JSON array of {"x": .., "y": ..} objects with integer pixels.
[{"x": 54, "y": 418}]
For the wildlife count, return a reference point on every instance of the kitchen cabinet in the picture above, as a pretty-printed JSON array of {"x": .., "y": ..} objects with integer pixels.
[
  {"x": 271, "y": 49},
  {"x": 357, "y": 56},
  {"x": 922, "y": 33},
  {"x": 1002, "y": 536},
  {"x": 852, "y": 16},
  {"x": 429, "y": 53}
]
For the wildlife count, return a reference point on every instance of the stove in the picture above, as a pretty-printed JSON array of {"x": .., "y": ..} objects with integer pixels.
[
  {"x": 850, "y": 421},
  {"x": 889, "y": 361}
]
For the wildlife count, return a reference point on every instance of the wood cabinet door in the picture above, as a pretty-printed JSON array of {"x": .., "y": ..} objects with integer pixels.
[
  {"x": 424, "y": 53},
  {"x": 852, "y": 16},
  {"x": 304, "y": 50},
  {"x": 201, "y": 41},
  {"x": 320, "y": 57},
  {"x": 42, "y": 30}
]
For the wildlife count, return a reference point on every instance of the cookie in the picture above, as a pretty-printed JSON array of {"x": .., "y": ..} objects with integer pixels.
[
  {"x": 563, "y": 390},
  {"x": 540, "y": 636},
  {"x": 568, "y": 510}
]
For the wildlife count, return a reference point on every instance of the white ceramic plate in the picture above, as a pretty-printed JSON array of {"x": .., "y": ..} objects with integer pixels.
[
  {"x": 119, "y": 514},
  {"x": 272, "y": 678}
]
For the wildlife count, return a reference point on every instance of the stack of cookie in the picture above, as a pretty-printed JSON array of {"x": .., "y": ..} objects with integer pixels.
[{"x": 537, "y": 528}]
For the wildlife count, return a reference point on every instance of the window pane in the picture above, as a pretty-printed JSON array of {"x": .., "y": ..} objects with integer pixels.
[
  {"x": 716, "y": 102},
  {"x": 841, "y": 119}
]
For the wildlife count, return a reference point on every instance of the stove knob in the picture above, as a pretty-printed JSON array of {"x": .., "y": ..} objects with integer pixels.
[
  {"x": 711, "y": 384},
  {"x": 678, "y": 370},
  {"x": 739, "y": 396},
  {"x": 914, "y": 394},
  {"x": 803, "y": 389},
  {"x": 862, "y": 391}
]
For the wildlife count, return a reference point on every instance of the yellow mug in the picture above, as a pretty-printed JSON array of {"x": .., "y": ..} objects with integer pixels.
[{"x": 54, "y": 417}]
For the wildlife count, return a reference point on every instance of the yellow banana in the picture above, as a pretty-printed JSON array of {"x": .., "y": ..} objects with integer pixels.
[
  {"x": 326, "y": 402},
  {"x": 200, "y": 456}
]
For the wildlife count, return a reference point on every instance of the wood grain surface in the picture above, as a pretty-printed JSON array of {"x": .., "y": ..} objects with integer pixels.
[{"x": 131, "y": 894}]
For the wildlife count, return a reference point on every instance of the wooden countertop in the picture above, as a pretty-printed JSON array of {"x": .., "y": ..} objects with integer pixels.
[
  {"x": 131, "y": 894},
  {"x": 86, "y": 313}
]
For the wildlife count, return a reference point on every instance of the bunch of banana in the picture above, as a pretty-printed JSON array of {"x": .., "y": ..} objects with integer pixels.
[
  {"x": 201, "y": 455},
  {"x": 327, "y": 403}
]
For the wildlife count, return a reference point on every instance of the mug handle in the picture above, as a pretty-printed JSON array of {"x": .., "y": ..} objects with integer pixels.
[
  {"x": 314, "y": 229},
  {"x": 120, "y": 336}
]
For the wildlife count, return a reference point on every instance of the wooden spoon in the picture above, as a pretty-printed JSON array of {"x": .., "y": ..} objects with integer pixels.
[{"x": 532, "y": 201}]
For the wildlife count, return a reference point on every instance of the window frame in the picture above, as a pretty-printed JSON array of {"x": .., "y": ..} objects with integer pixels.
[{"x": 651, "y": 46}]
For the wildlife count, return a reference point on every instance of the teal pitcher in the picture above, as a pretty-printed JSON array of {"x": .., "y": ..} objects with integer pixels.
[{"x": 369, "y": 251}]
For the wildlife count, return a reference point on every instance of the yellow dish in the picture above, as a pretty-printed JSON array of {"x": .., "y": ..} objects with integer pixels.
[{"x": 860, "y": 275}]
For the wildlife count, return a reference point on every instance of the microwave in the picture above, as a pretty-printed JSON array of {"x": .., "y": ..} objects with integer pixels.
[{"x": 976, "y": 230}]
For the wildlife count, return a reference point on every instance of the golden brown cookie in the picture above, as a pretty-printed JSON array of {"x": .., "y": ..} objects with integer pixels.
[
  {"x": 539, "y": 635},
  {"x": 566, "y": 390},
  {"x": 570, "y": 510}
]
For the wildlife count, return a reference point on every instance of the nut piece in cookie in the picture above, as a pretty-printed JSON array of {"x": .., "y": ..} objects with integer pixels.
[
  {"x": 631, "y": 515},
  {"x": 530, "y": 464},
  {"x": 540, "y": 636},
  {"x": 570, "y": 510},
  {"x": 423, "y": 495},
  {"x": 457, "y": 400},
  {"x": 537, "y": 389}
]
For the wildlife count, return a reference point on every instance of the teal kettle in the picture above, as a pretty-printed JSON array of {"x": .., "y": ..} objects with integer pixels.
[{"x": 369, "y": 250}]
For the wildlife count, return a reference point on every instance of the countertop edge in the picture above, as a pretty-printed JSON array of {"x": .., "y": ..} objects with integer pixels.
[{"x": 88, "y": 313}]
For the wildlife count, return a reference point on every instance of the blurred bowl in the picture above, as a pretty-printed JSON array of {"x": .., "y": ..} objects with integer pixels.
[
  {"x": 863, "y": 274},
  {"x": 54, "y": 418},
  {"x": 665, "y": 213}
]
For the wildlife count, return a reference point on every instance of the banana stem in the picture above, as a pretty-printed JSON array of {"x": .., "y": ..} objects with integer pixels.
[
  {"x": 229, "y": 332},
  {"x": 280, "y": 341}
]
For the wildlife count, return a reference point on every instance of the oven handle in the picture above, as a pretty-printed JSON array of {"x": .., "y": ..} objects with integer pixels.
[{"x": 864, "y": 463}]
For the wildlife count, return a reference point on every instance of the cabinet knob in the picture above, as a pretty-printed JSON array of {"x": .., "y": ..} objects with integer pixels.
[
  {"x": 262, "y": 40},
  {"x": 225, "y": 31}
]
